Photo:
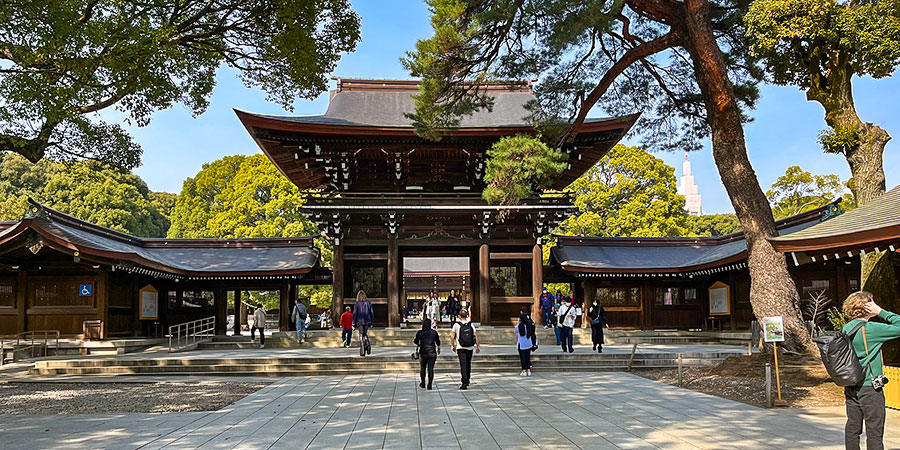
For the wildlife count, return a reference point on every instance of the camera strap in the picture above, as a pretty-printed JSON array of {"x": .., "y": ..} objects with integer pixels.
[{"x": 868, "y": 357}]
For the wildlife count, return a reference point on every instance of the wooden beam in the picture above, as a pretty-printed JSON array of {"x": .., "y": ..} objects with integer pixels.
[
  {"x": 21, "y": 301},
  {"x": 102, "y": 302},
  {"x": 239, "y": 312},
  {"x": 220, "y": 303},
  {"x": 393, "y": 283},
  {"x": 337, "y": 302},
  {"x": 484, "y": 280}
]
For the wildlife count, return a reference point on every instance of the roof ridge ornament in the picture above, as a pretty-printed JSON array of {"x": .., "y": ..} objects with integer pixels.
[
  {"x": 36, "y": 210},
  {"x": 833, "y": 210}
]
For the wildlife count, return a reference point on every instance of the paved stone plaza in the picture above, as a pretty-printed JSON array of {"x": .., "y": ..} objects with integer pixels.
[{"x": 587, "y": 410}]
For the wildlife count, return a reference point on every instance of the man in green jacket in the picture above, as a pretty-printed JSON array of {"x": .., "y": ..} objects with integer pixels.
[{"x": 865, "y": 403}]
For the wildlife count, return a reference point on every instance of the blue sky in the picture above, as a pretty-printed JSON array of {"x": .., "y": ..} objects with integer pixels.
[{"x": 784, "y": 132}]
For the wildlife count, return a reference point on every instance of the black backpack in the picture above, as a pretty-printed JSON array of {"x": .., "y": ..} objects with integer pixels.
[
  {"x": 839, "y": 357},
  {"x": 466, "y": 335}
]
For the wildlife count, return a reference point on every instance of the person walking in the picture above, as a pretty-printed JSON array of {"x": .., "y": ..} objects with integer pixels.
[
  {"x": 597, "y": 314},
  {"x": 428, "y": 343},
  {"x": 453, "y": 306},
  {"x": 433, "y": 309},
  {"x": 865, "y": 402},
  {"x": 464, "y": 342},
  {"x": 566, "y": 324},
  {"x": 362, "y": 319},
  {"x": 346, "y": 322},
  {"x": 526, "y": 341},
  {"x": 298, "y": 316},
  {"x": 554, "y": 321},
  {"x": 546, "y": 303},
  {"x": 259, "y": 323}
]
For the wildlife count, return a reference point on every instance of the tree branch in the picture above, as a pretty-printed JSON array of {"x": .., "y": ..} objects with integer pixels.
[{"x": 630, "y": 57}]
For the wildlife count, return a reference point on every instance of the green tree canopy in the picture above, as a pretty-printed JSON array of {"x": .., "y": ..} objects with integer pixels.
[
  {"x": 629, "y": 192},
  {"x": 798, "y": 191},
  {"x": 518, "y": 167},
  {"x": 245, "y": 196},
  {"x": 712, "y": 225},
  {"x": 63, "y": 61},
  {"x": 819, "y": 46},
  {"x": 88, "y": 190}
]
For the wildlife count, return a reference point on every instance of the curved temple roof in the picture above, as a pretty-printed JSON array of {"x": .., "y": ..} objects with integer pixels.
[
  {"x": 663, "y": 255},
  {"x": 187, "y": 258}
]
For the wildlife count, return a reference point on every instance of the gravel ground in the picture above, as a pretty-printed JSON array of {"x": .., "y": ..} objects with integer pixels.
[
  {"x": 103, "y": 398},
  {"x": 804, "y": 382}
]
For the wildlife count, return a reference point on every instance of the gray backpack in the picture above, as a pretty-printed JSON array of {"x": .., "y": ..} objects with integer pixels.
[{"x": 840, "y": 358}]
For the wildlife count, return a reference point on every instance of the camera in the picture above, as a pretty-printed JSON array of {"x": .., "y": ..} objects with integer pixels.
[{"x": 879, "y": 381}]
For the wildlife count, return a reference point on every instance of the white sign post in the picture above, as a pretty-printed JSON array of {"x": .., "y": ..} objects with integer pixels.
[{"x": 773, "y": 331}]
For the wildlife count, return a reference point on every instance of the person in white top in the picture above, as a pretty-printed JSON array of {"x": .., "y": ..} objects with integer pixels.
[
  {"x": 462, "y": 342},
  {"x": 434, "y": 309},
  {"x": 259, "y": 323},
  {"x": 567, "y": 316}
]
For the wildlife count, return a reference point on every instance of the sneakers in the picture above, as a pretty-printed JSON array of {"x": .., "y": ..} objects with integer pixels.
[
  {"x": 429, "y": 387},
  {"x": 422, "y": 385},
  {"x": 463, "y": 387},
  {"x": 262, "y": 345},
  {"x": 528, "y": 373},
  {"x": 523, "y": 374}
]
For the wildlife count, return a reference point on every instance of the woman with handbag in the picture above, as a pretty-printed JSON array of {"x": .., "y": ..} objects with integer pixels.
[
  {"x": 597, "y": 314},
  {"x": 526, "y": 341},
  {"x": 428, "y": 347}
]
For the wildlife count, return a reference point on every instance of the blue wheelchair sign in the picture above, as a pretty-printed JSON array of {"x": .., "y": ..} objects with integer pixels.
[{"x": 85, "y": 290}]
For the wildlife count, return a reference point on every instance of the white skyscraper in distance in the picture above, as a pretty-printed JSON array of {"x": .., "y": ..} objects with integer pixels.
[{"x": 688, "y": 189}]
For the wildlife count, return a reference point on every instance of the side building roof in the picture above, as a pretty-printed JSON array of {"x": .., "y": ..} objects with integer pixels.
[
  {"x": 165, "y": 258},
  {"x": 687, "y": 256},
  {"x": 875, "y": 226}
]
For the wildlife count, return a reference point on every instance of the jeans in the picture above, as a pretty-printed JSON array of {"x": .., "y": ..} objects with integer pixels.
[
  {"x": 525, "y": 358},
  {"x": 864, "y": 404},
  {"x": 364, "y": 346},
  {"x": 565, "y": 337},
  {"x": 558, "y": 335},
  {"x": 262, "y": 335},
  {"x": 346, "y": 335},
  {"x": 427, "y": 363},
  {"x": 301, "y": 326},
  {"x": 465, "y": 365},
  {"x": 548, "y": 316}
]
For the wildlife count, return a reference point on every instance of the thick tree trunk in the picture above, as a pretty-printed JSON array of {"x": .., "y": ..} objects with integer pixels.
[{"x": 772, "y": 291}]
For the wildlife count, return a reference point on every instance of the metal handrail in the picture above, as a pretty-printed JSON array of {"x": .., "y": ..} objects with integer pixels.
[
  {"x": 189, "y": 333},
  {"x": 27, "y": 337}
]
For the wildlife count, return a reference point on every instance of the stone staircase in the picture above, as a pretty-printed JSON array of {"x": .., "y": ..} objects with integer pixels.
[
  {"x": 486, "y": 336},
  {"x": 307, "y": 366}
]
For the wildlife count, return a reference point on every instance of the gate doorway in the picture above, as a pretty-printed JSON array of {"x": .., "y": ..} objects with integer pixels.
[{"x": 425, "y": 277}]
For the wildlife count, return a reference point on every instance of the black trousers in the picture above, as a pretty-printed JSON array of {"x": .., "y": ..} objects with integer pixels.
[
  {"x": 525, "y": 358},
  {"x": 364, "y": 345},
  {"x": 597, "y": 334},
  {"x": 565, "y": 337},
  {"x": 465, "y": 365},
  {"x": 864, "y": 404},
  {"x": 262, "y": 335},
  {"x": 427, "y": 362}
]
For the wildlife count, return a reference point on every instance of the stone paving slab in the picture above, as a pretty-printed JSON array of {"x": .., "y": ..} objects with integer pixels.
[{"x": 603, "y": 410}]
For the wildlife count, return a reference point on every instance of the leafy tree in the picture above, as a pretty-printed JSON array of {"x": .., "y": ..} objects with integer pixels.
[
  {"x": 629, "y": 192},
  {"x": 63, "y": 61},
  {"x": 518, "y": 166},
  {"x": 164, "y": 202},
  {"x": 798, "y": 191},
  {"x": 712, "y": 225},
  {"x": 683, "y": 62},
  {"x": 243, "y": 197},
  {"x": 88, "y": 190},
  {"x": 819, "y": 46}
]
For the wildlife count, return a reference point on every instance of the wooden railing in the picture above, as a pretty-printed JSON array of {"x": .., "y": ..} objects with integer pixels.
[
  {"x": 892, "y": 389},
  {"x": 189, "y": 334}
]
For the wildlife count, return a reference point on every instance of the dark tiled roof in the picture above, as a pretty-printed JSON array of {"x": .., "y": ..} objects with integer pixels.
[
  {"x": 662, "y": 255},
  {"x": 189, "y": 257},
  {"x": 880, "y": 214}
]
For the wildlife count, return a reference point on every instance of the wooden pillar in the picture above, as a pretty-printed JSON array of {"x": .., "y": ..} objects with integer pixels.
[
  {"x": 580, "y": 294},
  {"x": 292, "y": 300},
  {"x": 393, "y": 283},
  {"x": 537, "y": 278},
  {"x": 337, "y": 277},
  {"x": 474, "y": 288},
  {"x": 239, "y": 312},
  {"x": 21, "y": 301},
  {"x": 284, "y": 313},
  {"x": 220, "y": 302},
  {"x": 101, "y": 292},
  {"x": 484, "y": 280}
]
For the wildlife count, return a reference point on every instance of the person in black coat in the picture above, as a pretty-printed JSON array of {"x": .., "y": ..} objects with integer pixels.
[
  {"x": 597, "y": 314},
  {"x": 429, "y": 345}
]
